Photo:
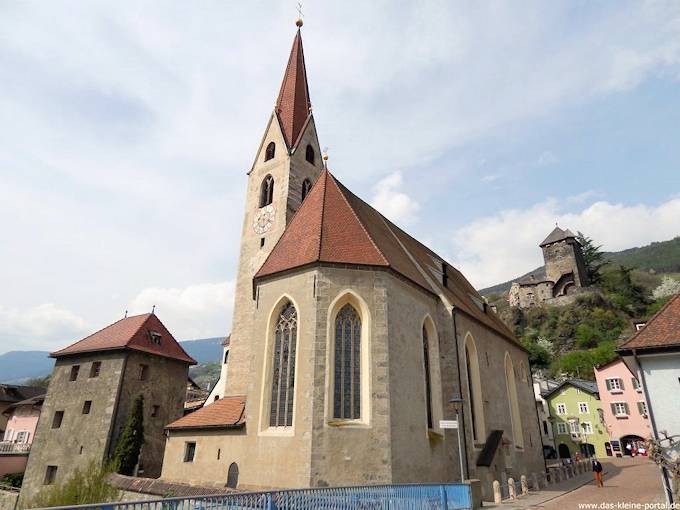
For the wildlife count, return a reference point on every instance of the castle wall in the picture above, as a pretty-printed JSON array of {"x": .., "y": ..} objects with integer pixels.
[
  {"x": 165, "y": 387},
  {"x": 82, "y": 438}
]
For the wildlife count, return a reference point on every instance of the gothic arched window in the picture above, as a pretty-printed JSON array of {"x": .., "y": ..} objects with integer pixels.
[
  {"x": 347, "y": 373},
  {"x": 428, "y": 383},
  {"x": 270, "y": 152},
  {"x": 267, "y": 191},
  {"x": 306, "y": 186},
  {"x": 515, "y": 417},
  {"x": 309, "y": 154},
  {"x": 283, "y": 367},
  {"x": 474, "y": 387}
]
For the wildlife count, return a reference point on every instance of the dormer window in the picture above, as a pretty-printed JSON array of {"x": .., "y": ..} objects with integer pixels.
[
  {"x": 270, "y": 152},
  {"x": 309, "y": 154},
  {"x": 306, "y": 186},
  {"x": 155, "y": 337},
  {"x": 267, "y": 191}
]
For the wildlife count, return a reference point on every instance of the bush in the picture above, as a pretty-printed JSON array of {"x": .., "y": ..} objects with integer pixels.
[
  {"x": 12, "y": 479},
  {"x": 83, "y": 487},
  {"x": 130, "y": 441}
]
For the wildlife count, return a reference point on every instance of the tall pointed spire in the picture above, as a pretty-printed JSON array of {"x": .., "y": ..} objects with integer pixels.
[{"x": 293, "y": 105}]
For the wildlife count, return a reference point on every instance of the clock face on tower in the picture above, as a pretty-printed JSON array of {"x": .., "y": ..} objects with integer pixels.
[{"x": 264, "y": 219}]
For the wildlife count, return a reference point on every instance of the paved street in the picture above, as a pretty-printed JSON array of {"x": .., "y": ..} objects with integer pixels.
[{"x": 627, "y": 480}]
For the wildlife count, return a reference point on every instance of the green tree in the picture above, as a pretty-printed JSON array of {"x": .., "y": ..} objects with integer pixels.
[
  {"x": 539, "y": 357},
  {"x": 593, "y": 256},
  {"x": 83, "y": 487},
  {"x": 130, "y": 441},
  {"x": 625, "y": 293}
]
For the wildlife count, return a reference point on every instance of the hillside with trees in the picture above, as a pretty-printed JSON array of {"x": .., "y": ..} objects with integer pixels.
[{"x": 571, "y": 339}]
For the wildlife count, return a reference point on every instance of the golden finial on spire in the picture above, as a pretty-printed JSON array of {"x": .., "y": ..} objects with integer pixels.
[
  {"x": 324, "y": 156},
  {"x": 299, "y": 22}
]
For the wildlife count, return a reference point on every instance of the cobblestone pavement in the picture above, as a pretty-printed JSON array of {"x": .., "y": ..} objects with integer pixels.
[{"x": 627, "y": 480}]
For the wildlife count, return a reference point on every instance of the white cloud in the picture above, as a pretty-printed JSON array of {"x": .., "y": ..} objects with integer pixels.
[
  {"x": 547, "y": 158},
  {"x": 45, "y": 326},
  {"x": 497, "y": 248},
  {"x": 392, "y": 202},
  {"x": 196, "y": 311}
]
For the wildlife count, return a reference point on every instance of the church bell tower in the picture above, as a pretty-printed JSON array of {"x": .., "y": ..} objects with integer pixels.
[{"x": 287, "y": 163}]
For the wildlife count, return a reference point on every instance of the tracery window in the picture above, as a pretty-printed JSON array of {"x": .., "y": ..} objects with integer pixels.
[
  {"x": 267, "y": 191},
  {"x": 270, "y": 151},
  {"x": 347, "y": 373},
  {"x": 428, "y": 383},
  {"x": 306, "y": 186},
  {"x": 283, "y": 367}
]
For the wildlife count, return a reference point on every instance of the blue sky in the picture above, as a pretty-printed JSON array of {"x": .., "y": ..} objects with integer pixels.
[{"x": 128, "y": 129}]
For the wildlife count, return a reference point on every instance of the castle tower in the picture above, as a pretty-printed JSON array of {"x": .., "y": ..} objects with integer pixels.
[
  {"x": 287, "y": 163},
  {"x": 564, "y": 262}
]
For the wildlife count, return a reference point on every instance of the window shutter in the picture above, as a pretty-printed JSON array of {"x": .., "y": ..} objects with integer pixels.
[
  {"x": 625, "y": 405},
  {"x": 621, "y": 383},
  {"x": 640, "y": 408},
  {"x": 613, "y": 406},
  {"x": 609, "y": 384}
]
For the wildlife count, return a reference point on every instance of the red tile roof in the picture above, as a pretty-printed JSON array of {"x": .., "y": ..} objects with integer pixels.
[
  {"x": 293, "y": 104},
  {"x": 335, "y": 226},
  {"x": 662, "y": 330},
  {"x": 130, "y": 333},
  {"x": 227, "y": 412}
]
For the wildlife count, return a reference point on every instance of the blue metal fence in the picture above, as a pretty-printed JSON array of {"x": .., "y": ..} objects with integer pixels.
[{"x": 373, "y": 497}]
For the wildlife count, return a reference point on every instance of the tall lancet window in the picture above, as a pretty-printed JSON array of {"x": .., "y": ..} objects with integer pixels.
[
  {"x": 428, "y": 384},
  {"x": 283, "y": 375},
  {"x": 267, "y": 191},
  {"x": 347, "y": 377}
]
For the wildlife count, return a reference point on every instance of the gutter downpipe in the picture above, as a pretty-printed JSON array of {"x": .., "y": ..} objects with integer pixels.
[
  {"x": 664, "y": 471},
  {"x": 460, "y": 392}
]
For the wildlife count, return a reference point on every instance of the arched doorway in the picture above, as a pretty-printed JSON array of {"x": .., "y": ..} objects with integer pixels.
[
  {"x": 564, "y": 452},
  {"x": 232, "y": 477},
  {"x": 587, "y": 450},
  {"x": 630, "y": 442}
]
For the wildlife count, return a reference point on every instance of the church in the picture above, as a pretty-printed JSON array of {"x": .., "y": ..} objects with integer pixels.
[{"x": 349, "y": 339}]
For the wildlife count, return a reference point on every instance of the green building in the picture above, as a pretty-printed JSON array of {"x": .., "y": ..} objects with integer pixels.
[{"x": 577, "y": 420}]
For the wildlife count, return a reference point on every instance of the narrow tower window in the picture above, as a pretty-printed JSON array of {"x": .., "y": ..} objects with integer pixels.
[
  {"x": 309, "y": 154},
  {"x": 270, "y": 152},
  {"x": 283, "y": 373},
  {"x": 428, "y": 384},
  {"x": 347, "y": 378},
  {"x": 267, "y": 191},
  {"x": 306, "y": 186}
]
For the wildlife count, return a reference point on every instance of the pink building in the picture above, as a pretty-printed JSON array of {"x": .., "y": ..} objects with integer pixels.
[
  {"x": 623, "y": 405},
  {"x": 22, "y": 419}
]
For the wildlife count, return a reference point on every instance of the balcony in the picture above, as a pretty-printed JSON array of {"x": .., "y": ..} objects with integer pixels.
[{"x": 10, "y": 447}]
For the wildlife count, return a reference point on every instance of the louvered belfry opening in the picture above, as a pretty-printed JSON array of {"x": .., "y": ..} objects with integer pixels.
[
  {"x": 347, "y": 378},
  {"x": 283, "y": 365}
]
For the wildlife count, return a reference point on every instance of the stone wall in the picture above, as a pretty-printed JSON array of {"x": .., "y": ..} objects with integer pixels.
[
  {"x": 82, "y": 438},
  {"x": 8, "y": 499}
]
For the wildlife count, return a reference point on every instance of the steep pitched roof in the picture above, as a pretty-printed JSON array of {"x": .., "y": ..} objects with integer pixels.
[
  {"x": 558, "y": 235},
  {"x": 293, "y": 104},
  {"x": 130, "y": 333},
  {"x": 662, "y": 330},
  {"x": 226, "y": 413},
  {"x": 587, "y": 386},
  {"x": 335, "y": 226}
]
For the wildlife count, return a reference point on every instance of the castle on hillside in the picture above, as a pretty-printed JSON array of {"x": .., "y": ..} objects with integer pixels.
[{"x": 565, "y": 273}]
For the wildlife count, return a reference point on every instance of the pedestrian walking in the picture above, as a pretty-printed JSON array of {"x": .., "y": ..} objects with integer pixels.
[{"x": 597, "y": 471}]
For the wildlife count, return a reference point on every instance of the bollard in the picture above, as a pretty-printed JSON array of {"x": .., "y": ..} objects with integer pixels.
[
  {"x": 537, "y": 486},
  {"x": 497, "y": 498},
  {"x": 524, "y": 485},
  {"x": 511, "y": 488}
]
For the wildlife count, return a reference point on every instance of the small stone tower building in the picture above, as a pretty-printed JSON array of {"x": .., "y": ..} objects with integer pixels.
[
  {"x": 92, "y": 387},
  {"x": 565, "y": 273}
]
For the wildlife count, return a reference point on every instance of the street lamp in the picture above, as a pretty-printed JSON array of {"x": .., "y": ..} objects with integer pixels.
[{"x": 457, "y": 405}]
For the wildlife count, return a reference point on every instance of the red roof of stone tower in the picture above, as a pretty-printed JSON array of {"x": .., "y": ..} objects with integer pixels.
[
  {"x": 335, "y": 226},
  {"x": 293, "y": 105},
  {"x": 130, "y": 333}
]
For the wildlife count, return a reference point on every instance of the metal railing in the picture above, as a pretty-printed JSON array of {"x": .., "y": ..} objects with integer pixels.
[
  {"x": 377, "y": 497},
  {"x": 11, "y": 447}
]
